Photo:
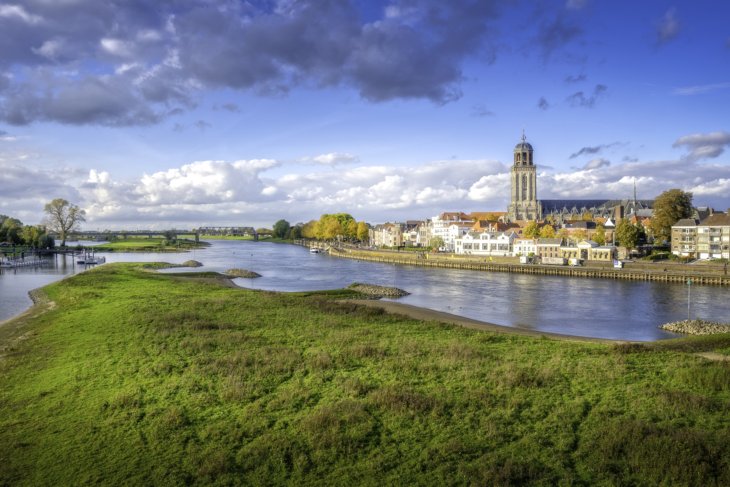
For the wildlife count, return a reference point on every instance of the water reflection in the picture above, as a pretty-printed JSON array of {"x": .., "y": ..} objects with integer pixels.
[{"x": 626, "y": 310}]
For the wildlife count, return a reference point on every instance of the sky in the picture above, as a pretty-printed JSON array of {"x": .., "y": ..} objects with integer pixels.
[{"x": 188, "y": 113}]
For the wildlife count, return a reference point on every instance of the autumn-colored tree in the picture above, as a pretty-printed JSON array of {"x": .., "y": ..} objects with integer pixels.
[
  {"x": 627, "y": 234},
  {"x": 309, "y": 229},
  {"x": 548, "y": 231},
  {"x": 531, "y": 230},
  {"x": 363, "y": 232},
  {"x": 599, "y": 236}
]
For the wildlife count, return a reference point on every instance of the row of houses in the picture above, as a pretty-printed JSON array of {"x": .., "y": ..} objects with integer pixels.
[
  {"x": 508, "y": 244},
  {"x": 702, "y": 239}
]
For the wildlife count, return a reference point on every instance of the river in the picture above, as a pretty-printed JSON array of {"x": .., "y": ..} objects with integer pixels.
[{"x": 615, "y": 309}]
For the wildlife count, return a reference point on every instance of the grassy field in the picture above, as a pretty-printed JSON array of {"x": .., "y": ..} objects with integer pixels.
[
  {"x": 134, "y": 377},
  {"x": 153, "y": 244}
]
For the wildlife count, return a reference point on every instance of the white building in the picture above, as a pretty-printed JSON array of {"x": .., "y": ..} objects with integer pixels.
[
  {"x": 524, "y": 246},
  {"x": 486, "y": 243}
]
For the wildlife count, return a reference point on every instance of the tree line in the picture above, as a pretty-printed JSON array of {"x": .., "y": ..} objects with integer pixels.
[{"x": 335, "y": 226}]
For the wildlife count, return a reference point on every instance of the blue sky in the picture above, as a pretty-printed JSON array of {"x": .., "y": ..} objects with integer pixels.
[{"x": 191, "y": 112}]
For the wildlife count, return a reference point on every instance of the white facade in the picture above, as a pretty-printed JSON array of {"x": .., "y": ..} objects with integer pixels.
[
  {"x": 487, "y": 243},
  {"x": 524, "y": 246}
]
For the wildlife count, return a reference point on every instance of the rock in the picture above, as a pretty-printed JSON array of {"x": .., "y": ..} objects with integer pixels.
[
  {"x": 191, "y": 263},
  {"x": 378, "y": 291},
  {"x": 242, "y": 273},
  {"x": 696, "y": 327}
]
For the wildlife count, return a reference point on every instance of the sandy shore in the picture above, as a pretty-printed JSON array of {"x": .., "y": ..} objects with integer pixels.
[{"x": 425, "y": 314}]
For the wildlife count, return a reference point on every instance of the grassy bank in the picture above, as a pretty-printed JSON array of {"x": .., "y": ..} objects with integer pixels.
[
  {"x": 152, "y": 244},
  {"x": 137, "y": 377}
]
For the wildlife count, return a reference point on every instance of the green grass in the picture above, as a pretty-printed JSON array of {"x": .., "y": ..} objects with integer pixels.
[
  {"x": 153, "y": 244},
  {"x": 144, "y": 378}
]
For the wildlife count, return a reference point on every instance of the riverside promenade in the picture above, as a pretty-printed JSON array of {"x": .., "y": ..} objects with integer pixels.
[{"x": 661, "y": 271}]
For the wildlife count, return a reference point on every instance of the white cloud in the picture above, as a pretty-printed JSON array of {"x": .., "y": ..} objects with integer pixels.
[
  {"x": 704, "y": 146},
  {"x": 333, "y": 158},
  {"x": 15, "y": 11}
]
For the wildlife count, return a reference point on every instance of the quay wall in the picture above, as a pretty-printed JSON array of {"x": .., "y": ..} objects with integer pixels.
[{"x": 636, "y": 271}]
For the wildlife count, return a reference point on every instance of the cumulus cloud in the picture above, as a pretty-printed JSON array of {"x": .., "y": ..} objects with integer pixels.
[
  {"x": 704, "y": 146},
  {"x": 668, "y": 27},
  {"x": 333, "y": 158},
  {"x": 580, "y": 99},
  {"x": 152, "y": 58}
]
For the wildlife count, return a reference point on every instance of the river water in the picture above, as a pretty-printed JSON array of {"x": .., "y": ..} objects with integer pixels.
[{"x": 624, "y": 310}]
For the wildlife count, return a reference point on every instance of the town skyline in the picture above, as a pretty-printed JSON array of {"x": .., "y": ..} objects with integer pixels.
[{"x": 242, "y": 114}]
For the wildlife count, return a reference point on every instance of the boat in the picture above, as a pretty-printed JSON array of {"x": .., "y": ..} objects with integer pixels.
[
  {"x": 90, "y": 259},
  {"x": 314, "y": 250}
]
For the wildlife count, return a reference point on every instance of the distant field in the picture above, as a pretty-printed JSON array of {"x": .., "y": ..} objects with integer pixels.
[
  {"x": 225, "y": 237},
  {"x": 135, "y": 377},
  {"x": 145, "y": 244}
]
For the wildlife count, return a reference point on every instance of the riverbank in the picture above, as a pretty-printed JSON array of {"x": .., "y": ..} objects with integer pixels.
[
  {"x": 670, "y": 272},
  {"x": 141, "y": 377}
]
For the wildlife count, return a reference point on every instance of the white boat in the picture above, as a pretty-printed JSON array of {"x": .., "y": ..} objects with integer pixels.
[
  {"x": 314, "y": 250},
  {"x": 90, "y": 259}
]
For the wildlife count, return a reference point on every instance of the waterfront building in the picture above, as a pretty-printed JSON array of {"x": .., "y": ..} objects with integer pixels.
[
  {"x": 485, "y": 243},
  {"x": 524, "y": 246},
  {"x": 525, "y": 205},
  {"x": 713, "y": 237},
  {"x": 548, "y": 247},
  {"x": 523, "y": 176},
  {"x": 684, "y": 237},
  {"x": 386, "y": 235}
]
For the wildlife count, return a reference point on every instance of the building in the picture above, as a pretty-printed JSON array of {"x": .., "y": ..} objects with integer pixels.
[
  {"x": 524, "y": 204},
  {"x": 523, "y": 175},
  {"x": 486, "y": 243},
  {"x": 684, "y": 237},
  {"x": 386, "y": 235},
  {"x": 713, "y": 237}
]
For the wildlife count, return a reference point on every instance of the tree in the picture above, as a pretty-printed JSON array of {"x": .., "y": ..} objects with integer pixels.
[
  {"x": 62, "y": 217},
  {"x": 363, "y": 232},
  {"x": 548, "y": 231},
  {"x": 627, "y": 234},
  {"x": 436, "y": 243},
  {"x": 295, "y": 233},
  {"x": 600, "y": 235},
  {"x": 281, "y": 229},
  {"x": 669, "y": 207},
  {"x": 531, "y": 230},
  {"x": 11, "y": 230}
]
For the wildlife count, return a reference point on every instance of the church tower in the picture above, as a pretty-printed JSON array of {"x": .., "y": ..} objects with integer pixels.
[{"x": 523, "y": 203}]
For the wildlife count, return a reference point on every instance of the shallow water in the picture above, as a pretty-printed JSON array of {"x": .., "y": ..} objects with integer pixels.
[{"x": 625, "y": 310}]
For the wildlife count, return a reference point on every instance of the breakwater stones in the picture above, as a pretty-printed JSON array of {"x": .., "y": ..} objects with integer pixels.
[
  {"x": 696, "y": 327},
  {"x": 376, "y": 292},
  {"x": 191, "y": 263},
  {"x": 242, "y": 273}
]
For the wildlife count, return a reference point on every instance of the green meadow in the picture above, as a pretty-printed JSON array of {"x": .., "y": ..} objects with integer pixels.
[
  {"x": 152, "y": 244},
  {"x": 135, "y": 377}
]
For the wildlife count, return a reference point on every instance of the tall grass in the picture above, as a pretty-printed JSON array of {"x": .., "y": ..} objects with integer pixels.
[{"x": 137, "y": 377}]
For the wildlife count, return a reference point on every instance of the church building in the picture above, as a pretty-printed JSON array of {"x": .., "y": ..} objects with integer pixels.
[{"x": 523, "y": 203}]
